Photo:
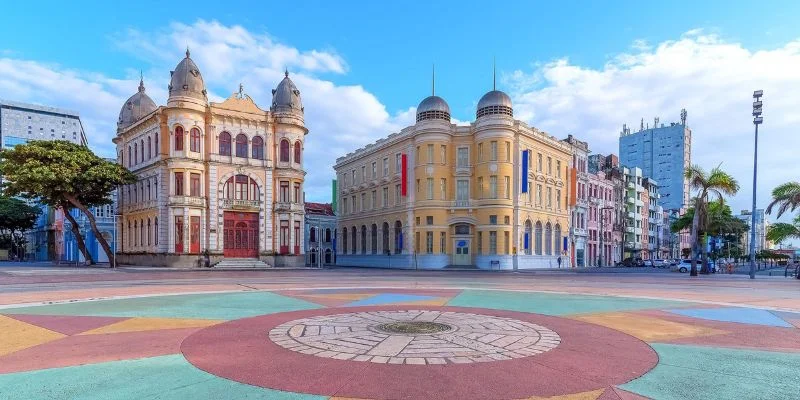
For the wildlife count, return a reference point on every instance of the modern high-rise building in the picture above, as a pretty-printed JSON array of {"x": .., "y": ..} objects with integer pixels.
[
  {"x": 491, "y": 194},
  {"x": 762, "y": 225},
  {"x": 21, "y": 123},
  {"x": 663, "y": 152}
]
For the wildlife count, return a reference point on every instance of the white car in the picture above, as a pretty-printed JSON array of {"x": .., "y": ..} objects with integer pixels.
[
  {"x": 686, "y": 266},
  {"x": 658, "y": 263}
]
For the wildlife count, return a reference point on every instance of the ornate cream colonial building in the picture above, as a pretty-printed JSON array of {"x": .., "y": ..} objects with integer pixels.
[
  {"x": 223, "y": 177},
  {"x": 492, "y": 194}
]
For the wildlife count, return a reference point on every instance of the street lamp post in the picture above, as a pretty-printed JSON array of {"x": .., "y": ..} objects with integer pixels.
[{"x": 757, "y": 120}]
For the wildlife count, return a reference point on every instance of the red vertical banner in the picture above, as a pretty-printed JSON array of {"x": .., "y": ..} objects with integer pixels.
[{"x": 404, "y": 175}]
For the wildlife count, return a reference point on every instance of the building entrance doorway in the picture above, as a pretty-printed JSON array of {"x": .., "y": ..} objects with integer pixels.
[
  {"x": 240, "y": 234},
  {"x": 462, "y": 254}
]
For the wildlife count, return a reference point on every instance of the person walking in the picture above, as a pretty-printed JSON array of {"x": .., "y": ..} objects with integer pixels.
[{"x": 559, "y": 261}]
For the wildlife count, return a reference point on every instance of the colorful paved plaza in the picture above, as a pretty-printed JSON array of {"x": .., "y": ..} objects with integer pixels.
[{"x": 436, "y": 341}]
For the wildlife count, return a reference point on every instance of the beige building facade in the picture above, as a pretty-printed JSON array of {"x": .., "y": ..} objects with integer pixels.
[
  {"x": 438, "y": 194},
  {"x": 223, "y": 178}
]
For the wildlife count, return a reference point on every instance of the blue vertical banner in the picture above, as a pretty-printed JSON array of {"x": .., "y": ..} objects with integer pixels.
[
  {"x": 525, "y": 171},
  {"x": 565, "y": 244},
  {"x": 527, "y": 241}
]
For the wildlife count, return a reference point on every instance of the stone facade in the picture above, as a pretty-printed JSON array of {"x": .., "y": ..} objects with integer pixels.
[
  {"x": 578, "y": 232},
  {"x": 465, "y": 197},
  {"x": 320, "y": 235},
  {"x": 223, "y": 178}
]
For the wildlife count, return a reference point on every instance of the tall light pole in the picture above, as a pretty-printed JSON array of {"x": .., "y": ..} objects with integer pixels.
[{"x": 757, "y": 120}]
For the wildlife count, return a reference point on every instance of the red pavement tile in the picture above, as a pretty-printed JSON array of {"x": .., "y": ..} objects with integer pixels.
[
  {"x": 589, "y": 357},
  {"x": 738, "y": 335},
  {"x": 88, "y": 349},
  {"x": 626, "y": 395},
  {"x": 66, "y": 324}
]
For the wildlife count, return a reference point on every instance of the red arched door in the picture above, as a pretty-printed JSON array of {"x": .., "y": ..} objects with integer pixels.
[{"x": 240, "y": 234}]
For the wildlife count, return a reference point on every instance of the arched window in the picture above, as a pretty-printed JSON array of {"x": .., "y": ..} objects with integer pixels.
[
  {"x": 353, "y": 234},
  {"x": 149, "y": 148},
  {"x": 241, "y": 187},
  {"x": 141, "y": 233},
  {"x": 385, "y": 238},
  {"x": 398, "y": 237},
  {"x": 258, "y": 148},
  {"x": 178, "y": 138},
  {"x": 528, "y": 237},
  {"x": 327, "y": 256},
  {"x": 241, "y": 145},
  {"x": 374, "y": 239},
  {"x": 194, "y": 144},
  {"x": 557, "y": 241},
  {"x": 363, "y": 239},
  {"x": 462, "y": 229},
  {"x": 297, "y": 151},
  {"x": 155, "y": 231},
  {"x": 327, "y": 235},
  {"x": 130, "y": 233},
  {"x": 312, "y": 235},
  {"x": 148, "y": 231},
  {"x": 285, "y": 150},
  {"x": 225, "y": 144},
  {"x": 135, "y": 232},
  {"x": 142, "y": 146},
  {"x": 548, "y": 239},
  {"x": 157, "y": 149},
  {"x": 130, "y": 156},
  {"x": 538, "y": 240},
  {"x": 136, "y": 153},
  {"x": 344, "y": 240}
]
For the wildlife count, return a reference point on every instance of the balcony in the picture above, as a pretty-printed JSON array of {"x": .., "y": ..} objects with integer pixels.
[
  {"x": 463, "y": 170},
  {"x": 633, "y": 246},
  {"x": 578, "y": 231},
  {"x": 462, "y": 204},
  {"x": 234, "y": 204},
  {"x": 188, "y": 201},
  {"x": 631, "y": 185},
  {"x": 629, "y": 229},
  {"x": 630, "y": 200},
  {"x": 283, "y": 206},
  {"x": 631, "y": 215},
  {"x": 141, "y": 205}
]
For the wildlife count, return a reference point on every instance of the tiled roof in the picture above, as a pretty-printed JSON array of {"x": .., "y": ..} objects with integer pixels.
[{"x": 319, "y": 209}]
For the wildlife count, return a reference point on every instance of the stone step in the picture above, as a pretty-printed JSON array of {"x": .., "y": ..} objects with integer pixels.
[{"x": 241, "y": 263}]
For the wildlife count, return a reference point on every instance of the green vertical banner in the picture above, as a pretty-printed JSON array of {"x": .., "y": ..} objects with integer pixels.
[{"x": 333, "y": 195}]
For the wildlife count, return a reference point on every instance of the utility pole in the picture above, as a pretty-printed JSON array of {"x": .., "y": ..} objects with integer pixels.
[{"x": 757, "y": 120}]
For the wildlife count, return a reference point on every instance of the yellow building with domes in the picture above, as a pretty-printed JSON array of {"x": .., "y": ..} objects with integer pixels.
[
  {"x": 223, "y": 178},
  {"x": 491, "y": 194}
]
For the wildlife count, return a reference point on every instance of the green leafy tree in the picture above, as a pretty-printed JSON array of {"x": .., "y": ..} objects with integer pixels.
[
  {"x": 58, "y": 173},
  {"x": 782, "y": 231},
  {"x": 16, "y": 218},
  {"x": 720, "y": 223},
  {"x": 786, "y": 197},
  {"x": 709, "y": 186}
]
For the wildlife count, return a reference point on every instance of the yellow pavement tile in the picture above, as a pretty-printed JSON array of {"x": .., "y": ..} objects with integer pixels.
[
  {"x": 593, "y": 395},
  {"x": 151, "y": 324},
  {"x": 649, "y": 329},
  {"x": 18, "y": 335},
  {"x": 431, "y": 302}
]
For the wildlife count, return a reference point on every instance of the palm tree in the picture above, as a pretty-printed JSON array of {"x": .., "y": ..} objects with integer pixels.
[
  {"x": 711, "y": 185},
  {"x": 781, "y": 231},
  {"x": 787, "y": 196}
]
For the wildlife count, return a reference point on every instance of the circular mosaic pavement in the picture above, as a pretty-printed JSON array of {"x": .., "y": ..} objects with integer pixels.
[{"x": 416, "y": 337}]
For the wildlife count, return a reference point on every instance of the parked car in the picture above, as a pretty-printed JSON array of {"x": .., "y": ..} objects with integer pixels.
[
  {"x": 630, "y": 262},
  {"x": 658, "y": 263},
  {"x": 686, "y": 266}
]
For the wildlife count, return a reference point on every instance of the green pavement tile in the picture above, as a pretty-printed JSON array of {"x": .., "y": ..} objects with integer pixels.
[
  {"x": 695, "y": 372},
  {"x": 554, "y": 304},
  {"x": 165, "y": 377},
  {"x": 202, "y": 306}
]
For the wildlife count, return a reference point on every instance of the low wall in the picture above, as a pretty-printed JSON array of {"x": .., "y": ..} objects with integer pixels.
[
  {"x": 166, "y": 260},
  {"x": 439, "y": 261}
]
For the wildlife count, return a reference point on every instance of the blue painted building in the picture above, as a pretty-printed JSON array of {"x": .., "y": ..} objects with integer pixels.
[
  {"x": 663, "y": 153},
  {"x": 104, "y": 217}
]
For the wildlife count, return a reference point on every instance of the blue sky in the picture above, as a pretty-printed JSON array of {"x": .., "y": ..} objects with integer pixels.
[{"x": 583, "y": 68}]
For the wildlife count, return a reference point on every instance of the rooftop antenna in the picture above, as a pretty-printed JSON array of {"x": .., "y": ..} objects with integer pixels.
[
  {"x": 494, "y": 74},
  {"x": 187, "y": 51},
  {"x": 433, "y": 80},
  {"x": 641, "y": 125},
  {"x": 683, "y": 117},
  {"x": 655, "y": 122}
]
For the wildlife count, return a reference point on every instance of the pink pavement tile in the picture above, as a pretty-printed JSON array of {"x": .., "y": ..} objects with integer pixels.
[
  {"x": 66, "y": 324},
  {"x": 89, "y": 349}
]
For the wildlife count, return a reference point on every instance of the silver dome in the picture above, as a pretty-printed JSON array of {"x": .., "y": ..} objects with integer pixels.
[
  {"x": 433, "y": 107},
  {"x": 187, "y": 81},
  {"x": 136, "y": 108},
  {"x": 286, "y": 97},
  {"x": 495, "y": 102}
]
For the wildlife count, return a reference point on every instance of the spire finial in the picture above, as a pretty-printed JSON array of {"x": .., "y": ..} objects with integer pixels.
[
  {"x": 187, "y": 51},
  {"x": 286, "y": 72},
  {"x": 494, "y": 74},
  {"x": 241, "y": 91},
  {"x": 433, "y": 80},
  {"x": 141, "y": 81}
]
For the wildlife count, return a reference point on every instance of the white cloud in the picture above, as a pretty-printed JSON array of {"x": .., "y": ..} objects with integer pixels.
[
  {"x": 711, "y": 78},
  {"x": 226, "y": 56}
]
